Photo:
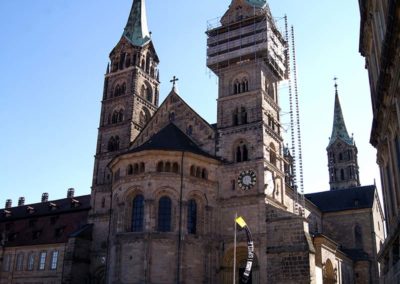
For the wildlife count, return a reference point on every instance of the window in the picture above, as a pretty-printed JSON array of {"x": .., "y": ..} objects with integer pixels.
[
  {"x": 272, "y": 154},
  {"x": 142, "y": 168},
  {"x": 342, "y": 174},
  {"x": 113, "y": 144},
  {"x": 167, "y": 167},
  {"x": 137, "y": 213},
  {"x": 20, "y": 262},
  {"x": 160, "y": 166},
  {"x": 243, "y": 115},
  {"x": 31, "y": 261},
  {"x": 204, "y": 174},
  {"x": 175, "y": 167},
  {"x": 149, "y": 95},
  {"x": 6, "y": 262},
  {"x": 42, "y": 260},
  {"x": 240, "y": 86},
  {"x": 144, "y": 116},
  {"x": 193, "y": 171},
  {"x": 241, "y": 153},
  {"x": 130, "y": 170},
  {"x": 192, "y": 217},
  {"x": 54, "y": 260},
  {"x": 239, "y": 116},
  {"x": 164, "y": 214}
]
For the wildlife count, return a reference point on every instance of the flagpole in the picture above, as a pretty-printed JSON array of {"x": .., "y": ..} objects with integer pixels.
[{"x": 234, "y": 253}]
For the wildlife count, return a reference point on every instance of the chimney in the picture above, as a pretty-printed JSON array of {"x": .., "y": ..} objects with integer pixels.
[
  {"x": 8, "y": 203},
  {"x": 21, "y": 201},
  {"x": 45, "y": 197},
  {"x": 70, "y": 193}
]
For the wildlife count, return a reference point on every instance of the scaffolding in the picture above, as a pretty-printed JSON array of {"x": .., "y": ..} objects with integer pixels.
[{"x": 235, "y": 41}]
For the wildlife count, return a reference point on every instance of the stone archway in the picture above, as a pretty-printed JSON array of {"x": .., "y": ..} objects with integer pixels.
[{"x": 226, "y": 272}]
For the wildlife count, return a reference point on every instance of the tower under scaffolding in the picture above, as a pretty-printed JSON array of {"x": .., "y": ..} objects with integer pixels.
[{"x": 234, "y": 40}]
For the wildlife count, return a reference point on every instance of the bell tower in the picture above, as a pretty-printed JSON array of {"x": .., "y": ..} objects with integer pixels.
[
  {"x": 247, "y": 53},
  {"x": 342, "y": 152},
  {"x": 130, "y": 98}
]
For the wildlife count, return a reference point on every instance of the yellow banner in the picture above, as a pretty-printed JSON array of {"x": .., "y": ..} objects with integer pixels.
[{"x": 240, "y": 221}]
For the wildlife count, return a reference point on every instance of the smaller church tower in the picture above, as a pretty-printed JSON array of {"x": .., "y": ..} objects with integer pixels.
[{"x": 342, "y": 152}]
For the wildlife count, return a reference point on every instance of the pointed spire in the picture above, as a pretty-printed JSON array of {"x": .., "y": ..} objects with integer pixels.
[
  {"x": 136, "y": 30},
  {"x": 339, "y": 130}
]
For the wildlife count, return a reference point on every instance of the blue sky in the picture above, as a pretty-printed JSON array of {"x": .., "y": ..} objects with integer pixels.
[{"x": 54, "y": 54}]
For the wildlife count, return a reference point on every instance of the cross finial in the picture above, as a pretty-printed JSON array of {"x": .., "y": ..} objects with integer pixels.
[{"x": 174, "y": 80}]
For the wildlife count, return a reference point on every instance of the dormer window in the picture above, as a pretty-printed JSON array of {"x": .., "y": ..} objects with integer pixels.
[
  {"x": 52, "y": 206},
  {"x": 30, "y": 210},
  {"x": 75, "y": 203}
]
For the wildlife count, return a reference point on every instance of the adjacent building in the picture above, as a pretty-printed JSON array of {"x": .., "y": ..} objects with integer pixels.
[
  {"x": 380, "y": 45},
  {"x": 46, "y": 242}
]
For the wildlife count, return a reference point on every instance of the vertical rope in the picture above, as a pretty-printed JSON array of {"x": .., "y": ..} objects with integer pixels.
[
  {"x": 300, "y": 160},
  {"x": 292, "y": 122}
]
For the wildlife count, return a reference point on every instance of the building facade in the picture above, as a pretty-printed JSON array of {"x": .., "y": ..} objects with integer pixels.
[
  {"x": 47, "y": 242},
  {"x": 379, "y": 44}
]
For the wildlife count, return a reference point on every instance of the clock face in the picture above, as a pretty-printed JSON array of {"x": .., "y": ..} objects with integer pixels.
[{"x": 247, "y": 179}]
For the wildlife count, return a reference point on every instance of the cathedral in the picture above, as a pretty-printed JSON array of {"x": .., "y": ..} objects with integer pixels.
[{"x": 167, "y": 184}]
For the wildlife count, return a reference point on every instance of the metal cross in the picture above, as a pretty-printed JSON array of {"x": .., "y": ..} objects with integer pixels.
[
  {"x": 336, "y": 85},
  {"x": 174, "y": 80}
]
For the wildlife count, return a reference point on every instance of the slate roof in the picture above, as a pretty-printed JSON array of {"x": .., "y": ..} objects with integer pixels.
[
  {"x": 339, "y": 130},
  {"x": 171, "y": 138},
  {"x": 45, "y": 223},
  {"x": 343, "y": 199}
]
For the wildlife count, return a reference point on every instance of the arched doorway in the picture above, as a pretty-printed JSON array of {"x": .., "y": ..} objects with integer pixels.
[{"x": 226, "y": 272}]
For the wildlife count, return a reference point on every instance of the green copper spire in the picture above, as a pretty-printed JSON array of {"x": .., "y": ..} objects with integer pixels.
[
  {"x": 339, "y": 130},
  {"x": 136, "y": 30}
]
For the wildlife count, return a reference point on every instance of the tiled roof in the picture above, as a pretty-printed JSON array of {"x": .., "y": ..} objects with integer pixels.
[
  {"x": 344, "y": 199},
  {"x": 44, "y": 223},
  {"x": 171, "y": 138}
]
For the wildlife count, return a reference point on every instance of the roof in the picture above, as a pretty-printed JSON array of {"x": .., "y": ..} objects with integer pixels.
[
  {"x": 171, "y": 138},
  {"x": 344, "y": 199},
  {"x": 339, "y": 130},
  {"x": 45, "y": 223},
  {"x": 62, "y": 206},
  {"x": 136, "y": 30}
]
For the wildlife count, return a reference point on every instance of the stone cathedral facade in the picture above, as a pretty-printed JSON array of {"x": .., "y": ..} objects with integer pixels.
[{"x": 167, "y": 183}]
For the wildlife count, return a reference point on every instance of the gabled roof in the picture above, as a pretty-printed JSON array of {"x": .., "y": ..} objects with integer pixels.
[
  {"x": 344, "y": 199},
  {"x": 170, "y": 138}
]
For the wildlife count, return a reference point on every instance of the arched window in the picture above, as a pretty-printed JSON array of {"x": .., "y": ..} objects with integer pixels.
[
  {"x": 144, "y": 116},
  {"x": 192, "y": 217},
  {"x": 160, "y": 166},
  {"x": 272, "y": 154},
  {"x": 121, "y": 61},
  {"x": 143, "y": 64},
  {"x": 167, "y": 167},
  {"x": 243, "y": 115},
  {"x": 121, "y": 115},
  {"x": 114, "y": 117},
  {"x": 123, "y": 89},
  {"x": 148, "y": 59},
  {"x": 175, "y": 167},
  {"x": 172, "y": 116},
  {"x": 198, "y": 172},
  {"x": 204, "y": 174},
  {"x": 244, "y": 85},
  {"x": 236, "y": 87},
  {"x": 135, "y": 169},
  {"x": 149, "y": 95},
  {"x": 342, "y": 174},
  {"x": 241, "y": 153},
  {"x": 164, "y": 214},
  {"x": 138, "y": 213},
  {"x": 193, "y": 171},
  {"x": 128, "y": 61},
  {"x": 111, "y": 144},
  {"x": 117, "y": 91},
  {"x": 235, "y": 117},
  {"x": 142, "y": 168},
  {"x": 130, "y": 170}
]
